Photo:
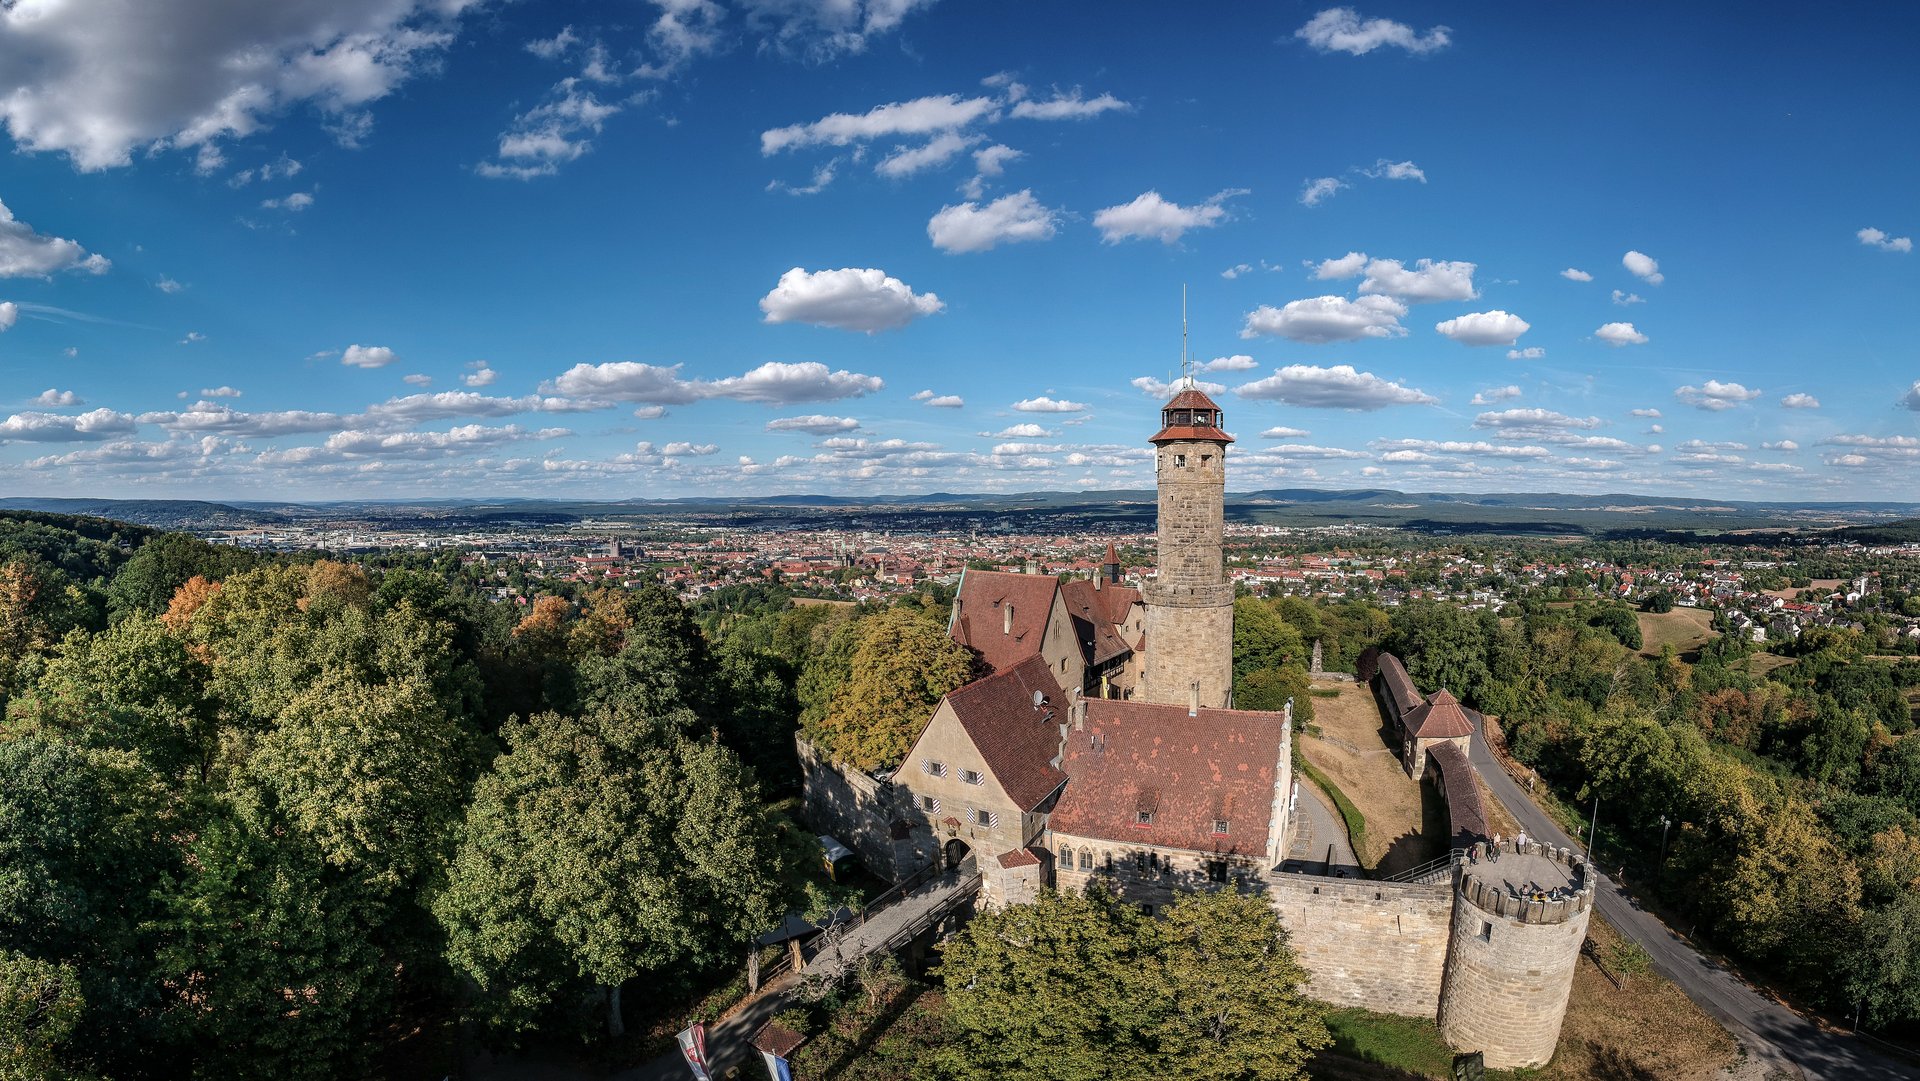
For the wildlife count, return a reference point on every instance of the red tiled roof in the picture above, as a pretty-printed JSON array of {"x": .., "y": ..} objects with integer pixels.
[
  {"x": 1188, "y": 771},
  {"x": 777, "y": 1039},
  {"x": 979, "y": 621},
  {"x": 1400, "y": 689},
  {"x": 1113, "y": 555},
  {"x": 1017, "y": 739},
  {"x": 1466, "y": 814},
  {"x": 1191, "y": 398},
  {"x": 1171, "y": 433},
  {"x": 1440, "y": 718},
  {"x": 1018, "y": 857},
  {"x": 1092, "y": 623}
]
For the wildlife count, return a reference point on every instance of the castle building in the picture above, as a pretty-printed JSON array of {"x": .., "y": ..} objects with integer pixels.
[{"x": 1103, "y": 746}]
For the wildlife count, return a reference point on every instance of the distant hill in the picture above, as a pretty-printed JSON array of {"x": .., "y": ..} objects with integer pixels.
[
  {"x": 1902, "y": 532},
  {"x": 160, "y": 513},
  {"x": 1613, "y": 515}
]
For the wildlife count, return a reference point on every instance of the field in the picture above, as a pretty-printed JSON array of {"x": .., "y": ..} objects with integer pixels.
[
  {"x": 1685, "y": 629},
  {"x": 1760, "y": 664},
  {"x": 1793, "y": 593},
  {"x": 1350, "y": 752}
]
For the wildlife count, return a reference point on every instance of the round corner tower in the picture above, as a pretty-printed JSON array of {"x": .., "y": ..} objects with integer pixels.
[
  {"x": 1514, "y": 944},
  {"x": 1189, "y": 601}
]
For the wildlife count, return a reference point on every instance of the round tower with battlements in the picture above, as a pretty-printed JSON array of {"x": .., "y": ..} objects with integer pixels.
[
  {"x": 1189, "y": 601},
  {"x": 1517, "y": 928}
]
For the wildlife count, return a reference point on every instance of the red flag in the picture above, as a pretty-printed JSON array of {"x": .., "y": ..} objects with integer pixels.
[{"x": 693, "y": 1047}]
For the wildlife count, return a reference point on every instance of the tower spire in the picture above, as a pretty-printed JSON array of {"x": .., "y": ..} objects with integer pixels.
[{"x": 1186, "y": 361}]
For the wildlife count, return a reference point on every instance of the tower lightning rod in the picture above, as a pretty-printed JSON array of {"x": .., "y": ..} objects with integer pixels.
[{"x": 1186, "y": 362}]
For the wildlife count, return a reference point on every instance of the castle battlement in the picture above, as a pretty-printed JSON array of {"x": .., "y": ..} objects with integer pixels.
[{"x": 1537, "y": 885}]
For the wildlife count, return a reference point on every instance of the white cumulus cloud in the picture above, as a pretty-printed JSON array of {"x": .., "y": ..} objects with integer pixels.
[
  {"x": 59, "y": 428},
  {"x": 1067, "y": 106},
  {"x": 25, "y": 253},
  {"x": 920, "y": 116},
  {"x": 1396, "y": 170},
  {"x": 1044, "y": 404},
  {"x": 1161, "y": 390},
  {"x": 1284, "y": 432},
  {"x": 1484, "y": 328},
  {"x": 58, "y": 399},
  {"x": 1531, "y": 352},
  {"x": 367, "y": 356},
  {"x": 1319, "y": 320},
  {"x": 1576, "y": 275},
  {"x": 1317, "y": 190},
  {"x": 1874, "y": 238},
  {"x": 1343, "y": 30},
  {"x": 907, "y": 161},
  {"x": 1534, "y": 419},
  {"x": 1344, "y": 266},
  {"x": 1428, "y": 280},
  {"x": 862, "y": 299},
  {"x": 813, "y": 424},
  {"x": 1010, "y": 219},
  {"x": 1617, "y": 334},
  {"x": 1149, "y": 217},
  {"x": 97, "y": 80},
  {"x": 1644, "y": 267},
  {"x": 1495, "y": 395},
  {"x": 1715, "y": 396},
  {"x": 1800, "y": 401},
  {"x": 1239, "y": 362},
  {"x": 1337, "y": 387}
]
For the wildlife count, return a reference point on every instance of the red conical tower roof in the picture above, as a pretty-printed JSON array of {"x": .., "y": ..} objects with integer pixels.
[{"x": 1191, "y": 415}]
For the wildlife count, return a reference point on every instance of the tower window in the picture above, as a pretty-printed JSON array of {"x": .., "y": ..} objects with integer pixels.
[
  {"x": 1486, "y": 931},
  {"x": 1179, "y": 461}
]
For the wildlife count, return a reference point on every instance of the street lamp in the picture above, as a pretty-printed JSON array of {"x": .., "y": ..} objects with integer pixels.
[{"x": 1665, "y": 822}]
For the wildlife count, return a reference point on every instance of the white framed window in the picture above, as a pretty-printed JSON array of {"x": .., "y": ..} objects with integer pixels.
[
  {"x": 1179, "y": 461},
  {"x": 932, "y": 768},
  {"x": 1066, "y": 858},
  {"x": 1220, "y": 826},
  {"x": 1143, "y": 818},
  {"x": 930, "y": 804},
  {"x": 985, "y": 818},
  {"x": 972, "y": 776},
  {"x": 1086, "y": 860}
]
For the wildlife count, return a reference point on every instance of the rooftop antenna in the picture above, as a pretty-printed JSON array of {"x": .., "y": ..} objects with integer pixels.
[{"x": 1186, "y": 361}]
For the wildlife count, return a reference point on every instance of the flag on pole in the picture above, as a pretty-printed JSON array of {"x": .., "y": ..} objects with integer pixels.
[
  {"x": 777, "y": 1067},
  {"x": 693, "y": 1047}
]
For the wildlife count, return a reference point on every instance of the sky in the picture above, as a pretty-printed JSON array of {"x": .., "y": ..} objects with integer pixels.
[{"x": 349, "y": 249}]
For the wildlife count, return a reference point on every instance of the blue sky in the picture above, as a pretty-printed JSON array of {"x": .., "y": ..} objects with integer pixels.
[{"x": 392, "y": 248}]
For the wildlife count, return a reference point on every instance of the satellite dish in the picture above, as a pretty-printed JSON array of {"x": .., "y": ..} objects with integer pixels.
[{"x": 1039, "y": 698}]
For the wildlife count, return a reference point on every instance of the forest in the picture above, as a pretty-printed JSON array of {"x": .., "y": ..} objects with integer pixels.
[{"x": 291, "y": 817}]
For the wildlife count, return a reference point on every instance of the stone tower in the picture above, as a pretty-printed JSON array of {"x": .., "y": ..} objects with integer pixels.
[
  {"x": 1189, "y": 601},
  {"x": 1514, "y": 943}
]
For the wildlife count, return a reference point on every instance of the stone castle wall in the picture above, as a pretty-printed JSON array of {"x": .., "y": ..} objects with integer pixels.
[
  {"x": 1511, "y": 970},
  {"x": 853, "y": 806},
  {"x": 1377, "y": 945}
]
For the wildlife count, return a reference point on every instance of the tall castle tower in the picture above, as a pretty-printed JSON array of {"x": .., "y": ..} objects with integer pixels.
[{"x": 1190, "y": 602}]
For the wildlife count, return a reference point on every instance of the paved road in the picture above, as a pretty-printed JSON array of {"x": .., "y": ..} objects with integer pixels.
[
  {"x": 1770, "y": 1032},
  {"x": 1315, "y": 826}
]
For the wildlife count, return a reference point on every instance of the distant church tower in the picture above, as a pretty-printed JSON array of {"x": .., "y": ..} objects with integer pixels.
[{"x": 1190, "y": 601}]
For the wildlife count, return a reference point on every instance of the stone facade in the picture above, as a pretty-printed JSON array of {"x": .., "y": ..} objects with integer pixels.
[
  {"x": 1377, "y": 945},
  {"x": 951, "y": 800},
  {"x": 853, "y": 806},
  {"x": 1147, "y": 875},
  {"x": 1190, "y": 602},
  {"x": 1512, "y": 962}
]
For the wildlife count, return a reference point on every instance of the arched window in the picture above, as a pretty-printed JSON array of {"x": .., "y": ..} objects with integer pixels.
[{"x": 1086, "y": 860}]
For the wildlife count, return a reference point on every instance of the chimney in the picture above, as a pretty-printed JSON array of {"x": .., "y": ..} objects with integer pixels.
[
  {"x": 1193, "y": 699},
  {"x": 1032, "y": 567},
  {"x": 1096, "y": 582},
  {"x": 1006, "y": 618},
  {"x": 1078, "y": 711}
]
